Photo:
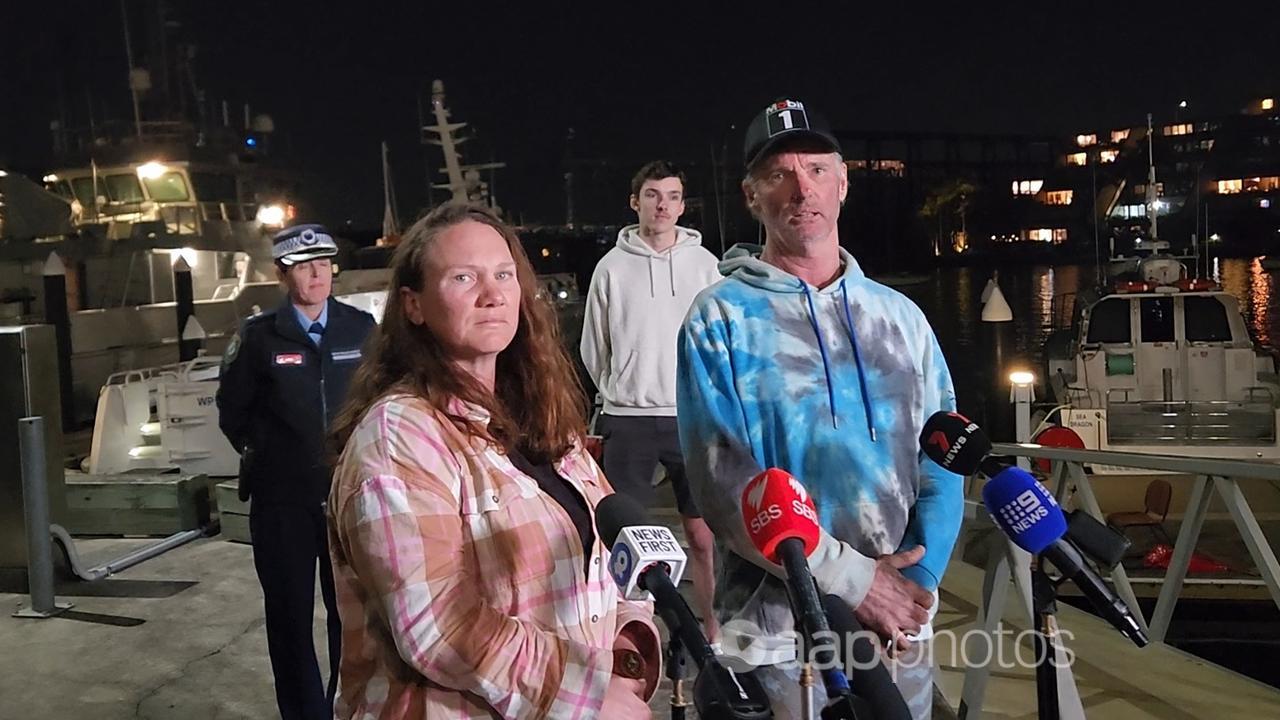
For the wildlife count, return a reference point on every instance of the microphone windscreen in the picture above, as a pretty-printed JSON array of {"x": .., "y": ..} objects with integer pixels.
[
  {"x": 776, "y": 507},
  {"x": 1024, "y": 510},
  {"x": 863, "y": 663},
  {"x": 954, "y": 442},
  {"x": 615, "y": 512}
]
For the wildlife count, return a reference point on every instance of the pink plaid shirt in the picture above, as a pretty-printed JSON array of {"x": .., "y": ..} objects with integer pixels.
[{"x": 460, "y": 584}]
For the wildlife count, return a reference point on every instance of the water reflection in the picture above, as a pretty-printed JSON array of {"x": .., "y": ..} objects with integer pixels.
[{"x": 951, "y": 302}]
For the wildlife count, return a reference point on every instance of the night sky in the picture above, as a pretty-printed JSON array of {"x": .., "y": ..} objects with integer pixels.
[{"x": 636, "y": 81}]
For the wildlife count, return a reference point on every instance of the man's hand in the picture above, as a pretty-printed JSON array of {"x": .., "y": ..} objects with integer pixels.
[{"x": 895, "y": 607}]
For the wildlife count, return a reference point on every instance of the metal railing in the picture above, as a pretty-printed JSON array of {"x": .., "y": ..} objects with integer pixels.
[{"x": 1067, "y": 472}]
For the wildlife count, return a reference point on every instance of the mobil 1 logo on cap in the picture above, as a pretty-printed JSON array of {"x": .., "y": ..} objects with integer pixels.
[{"x": 786, "y": 115}]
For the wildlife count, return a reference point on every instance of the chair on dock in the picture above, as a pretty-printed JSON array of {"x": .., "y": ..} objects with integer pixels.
[{"x": 1153, "y": 514}]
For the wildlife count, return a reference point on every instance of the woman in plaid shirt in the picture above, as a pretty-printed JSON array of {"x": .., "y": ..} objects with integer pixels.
[{"x": 471, "y": 580}]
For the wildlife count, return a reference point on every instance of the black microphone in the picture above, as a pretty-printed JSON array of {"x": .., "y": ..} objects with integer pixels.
[
  {"x": 1025, "y": 511},
  {"x": 782, "y": 522},
  {"x": 1028, "y": 514},
  {"x": 956, "y": 443},
  {"x": 641, "y": 558},
  {"x": 869, "y": 679}
]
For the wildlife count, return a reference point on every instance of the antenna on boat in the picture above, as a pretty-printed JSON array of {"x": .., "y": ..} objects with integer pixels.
[
  {"x": 1151, "y": 198},
  {"x": 1097, "y": 245}
]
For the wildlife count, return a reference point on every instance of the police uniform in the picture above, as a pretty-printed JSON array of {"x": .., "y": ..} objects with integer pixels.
[{"x": 278, "y": 393}]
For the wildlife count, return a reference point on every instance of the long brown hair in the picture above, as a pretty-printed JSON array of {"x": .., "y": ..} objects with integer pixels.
[{"x": 537, "y": 403}]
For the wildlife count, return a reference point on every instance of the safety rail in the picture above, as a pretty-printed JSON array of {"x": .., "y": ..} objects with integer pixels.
[{"x": 1067, "y": 472}]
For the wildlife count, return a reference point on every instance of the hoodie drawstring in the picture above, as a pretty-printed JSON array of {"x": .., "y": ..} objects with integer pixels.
[
  {"x": 826, "y": 361},
  {"x": 822, "y": 348},
  {"x": 651, "y": 293},
  {"x": 857, "y": 359},
  {"x": 671, "y": 268}
]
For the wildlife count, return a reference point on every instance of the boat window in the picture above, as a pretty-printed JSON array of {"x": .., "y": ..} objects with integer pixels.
[
  {"x": 1157, "y": 320},
  {"x": 83, "y": 188},
  {"x": 214, "y": 187},
  {"x": 169, "y": 187},
  {"x": 1109, "y": 322},
  {"x": 59, "y": 188},
  {"x": 123, "y": 188},
  {"x": 1206, "y": 319}
]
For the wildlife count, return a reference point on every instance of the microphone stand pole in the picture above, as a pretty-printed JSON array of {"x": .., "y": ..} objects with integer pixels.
[
  {"x": 676, "y": 672},
  {"x": 1045, "y": 598}
]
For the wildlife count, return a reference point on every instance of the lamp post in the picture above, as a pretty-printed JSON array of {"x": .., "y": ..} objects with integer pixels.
[{"x": 1021, "y": 393}]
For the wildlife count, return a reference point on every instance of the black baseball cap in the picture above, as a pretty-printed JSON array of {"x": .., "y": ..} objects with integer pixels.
[{"x": 784, "y": 120}]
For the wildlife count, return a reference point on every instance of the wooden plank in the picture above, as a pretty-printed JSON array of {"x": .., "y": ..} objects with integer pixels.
[
  {"x": 235, "y": 528},
  {"x": 227, "y": 497},
  {"x": 136, "y": 504}
]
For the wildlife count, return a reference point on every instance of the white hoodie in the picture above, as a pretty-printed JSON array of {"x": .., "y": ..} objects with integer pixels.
[{"x": 635, "y": 306}]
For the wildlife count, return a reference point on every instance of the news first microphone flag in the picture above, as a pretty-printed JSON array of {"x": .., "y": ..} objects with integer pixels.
[{"x": 639, "y": 547}]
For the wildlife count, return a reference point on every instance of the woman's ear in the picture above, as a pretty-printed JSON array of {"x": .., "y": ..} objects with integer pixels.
[{"x": 412, "y": 306}]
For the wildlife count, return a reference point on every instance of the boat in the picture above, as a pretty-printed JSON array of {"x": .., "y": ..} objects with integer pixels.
[{"x": 1157, "y": 361}]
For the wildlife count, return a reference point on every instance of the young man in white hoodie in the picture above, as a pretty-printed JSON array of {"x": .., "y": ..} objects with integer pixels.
[{"x": 639, "y": 295}]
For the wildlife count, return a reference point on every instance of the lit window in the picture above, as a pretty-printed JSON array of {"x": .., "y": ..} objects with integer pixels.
[
  {"x": 1206, "y": 144},
  {"x": 1027, "y": 187},
  {"x": 1077, "y": 159},
  {"x": 1141, "y": 189},
  {"x": 892, "y": 167},
  {"x": 1058, "y": 197},
  {"x": 1268, "y": 103},
  {"x": 1118, "y": 136},
  {"x": 1179, "y": 129},
  {"x": 1129, "y": 212},
  {"x": 1108, "y": 156},
  {"x": 1261, "y": 184},
  {"x": 1086, "y": 140},
  {"x": 1230, "y": 187},
  {"x": 1264, "y": 203},
  {"x": 1049, "y": 235}
]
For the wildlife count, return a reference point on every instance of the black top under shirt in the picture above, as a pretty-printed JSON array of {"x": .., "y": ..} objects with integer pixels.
[{"x": 563, "y": 493}]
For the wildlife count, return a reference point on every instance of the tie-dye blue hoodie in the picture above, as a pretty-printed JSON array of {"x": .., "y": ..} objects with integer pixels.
[{"x": 832, "y": 385}]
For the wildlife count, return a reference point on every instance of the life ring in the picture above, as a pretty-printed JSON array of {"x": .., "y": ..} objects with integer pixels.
[
  {"x": 1192, "y": 284},
  {"x": 1056, "y": 436},
  {"x": 1132, "y": 287}
]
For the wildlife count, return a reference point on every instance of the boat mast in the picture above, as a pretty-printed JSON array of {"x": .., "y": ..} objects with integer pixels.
[{"x": 1151, "y": 182}]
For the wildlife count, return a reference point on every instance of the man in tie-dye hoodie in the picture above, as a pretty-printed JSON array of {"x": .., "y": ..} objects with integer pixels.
[{"x": 797, "y": 360}]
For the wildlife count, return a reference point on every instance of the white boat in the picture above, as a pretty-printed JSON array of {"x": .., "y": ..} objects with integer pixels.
[
  {"x": 1160, "y": 362},
  {"x": 1165, "y": 364}
]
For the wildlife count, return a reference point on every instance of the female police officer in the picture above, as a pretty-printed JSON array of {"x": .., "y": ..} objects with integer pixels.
[{"x": 284, "y": 377}]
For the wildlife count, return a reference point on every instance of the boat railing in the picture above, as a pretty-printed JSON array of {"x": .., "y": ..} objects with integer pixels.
[
  {"x": 1073, "y": 488},
  {"x": 1159, "y": 422},
  {"x": 1062, "y": 310}
]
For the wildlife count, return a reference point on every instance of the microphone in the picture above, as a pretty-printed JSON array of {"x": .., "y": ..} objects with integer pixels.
[
  {"x": 873, "y": 688},
  {"x": 783, "y": 525},
  {"x": 646, "y": 559},
  {"x": 956, "y": 443},
  {"x": 1029, "y": 515}
]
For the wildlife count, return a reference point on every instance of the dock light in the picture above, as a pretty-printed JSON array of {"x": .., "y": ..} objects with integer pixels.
[
  {"x": 1022, "y": 378},
  {"x": 50, "y": 178},
  {"x": 563, "y": 294},
  {"x": 1182, "y": 104},
  {"x": 151, "y": 170},
  {"x": 271, "y": 215},
  {"x": 5, "y": 174}
]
